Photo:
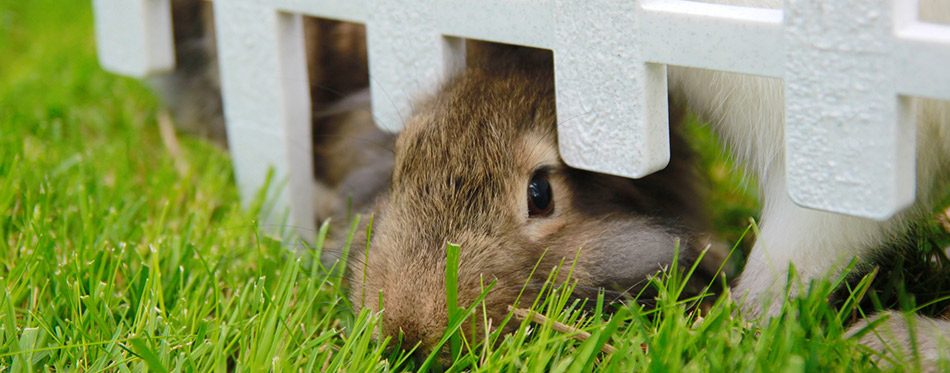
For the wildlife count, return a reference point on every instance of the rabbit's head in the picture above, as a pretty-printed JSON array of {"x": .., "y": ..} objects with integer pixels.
[{"x": 478, "y": 166}]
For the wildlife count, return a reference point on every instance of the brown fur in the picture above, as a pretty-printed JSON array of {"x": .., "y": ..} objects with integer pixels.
[{"x": 462, "y": 167}]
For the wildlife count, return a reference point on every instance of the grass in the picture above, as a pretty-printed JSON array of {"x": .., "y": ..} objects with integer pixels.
[{"x": 115, "y": 257}]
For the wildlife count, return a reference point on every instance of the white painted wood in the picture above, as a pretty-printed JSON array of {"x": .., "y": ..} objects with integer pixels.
[
  {"x": 349, "y": 10},
  {"x": 922, "y": 54},
  {"x": 849, "y": 68},
  {"x": 519, "y": 22},
  {"x": 846, "y": 149},
  {"x": 408, "y": 57},
  {"x": 608, "y": 96},
  {"x": 267, "y": 106},
  {"x": 713, "y": 36},
  {"x": 134, "y": 37},
  {"x": 850, "y": 137}
]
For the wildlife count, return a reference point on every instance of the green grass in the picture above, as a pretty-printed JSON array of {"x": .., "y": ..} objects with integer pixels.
[{"x": 114, "y": 258}]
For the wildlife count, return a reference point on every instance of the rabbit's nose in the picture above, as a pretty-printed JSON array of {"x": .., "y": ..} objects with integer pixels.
[
  {"x": 418, "y": 325},
  {"x": 442, "y": 359},
  {"x": 421, "y": 340},
  {"x": 410, "y": 337}
]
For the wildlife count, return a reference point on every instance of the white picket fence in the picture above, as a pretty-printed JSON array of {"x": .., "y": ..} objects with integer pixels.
[{"x": 610, "y": 55}]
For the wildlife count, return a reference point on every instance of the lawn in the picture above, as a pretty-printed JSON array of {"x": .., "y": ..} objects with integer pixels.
[{"x": 120, "y": 253}]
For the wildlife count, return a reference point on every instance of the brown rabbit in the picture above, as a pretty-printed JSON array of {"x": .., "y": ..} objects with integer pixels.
[{"x": 478, "y": 166}]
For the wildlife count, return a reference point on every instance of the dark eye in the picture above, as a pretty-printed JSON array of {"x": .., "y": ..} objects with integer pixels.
[{"x": 540, "y": 199}]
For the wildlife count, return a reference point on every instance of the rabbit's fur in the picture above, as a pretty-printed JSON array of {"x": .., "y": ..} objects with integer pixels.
[
  {"x": 463, "y": 162},
  {"x": 462, "y": 168}
]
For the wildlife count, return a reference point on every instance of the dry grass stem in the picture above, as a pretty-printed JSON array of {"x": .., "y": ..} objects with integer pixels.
[
  {"x": 167, "y": 130},
  {"x": 577, "y": 334}
]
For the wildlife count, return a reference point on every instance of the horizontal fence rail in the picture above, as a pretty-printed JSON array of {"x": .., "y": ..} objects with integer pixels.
[{"x": 848, "y": 67}]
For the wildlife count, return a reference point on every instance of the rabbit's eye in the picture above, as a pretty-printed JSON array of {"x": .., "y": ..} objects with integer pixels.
[{"x": 540, "y": 202}]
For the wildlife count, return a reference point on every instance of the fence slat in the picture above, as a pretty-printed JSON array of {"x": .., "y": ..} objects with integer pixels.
[
  {"x": 134, "y": 37},
  {"x": 847, "y": 149},
  {"x": 408, "y": 57},
  {"x": 267, "y": 105},
  {"x": 608, "y": 97}
]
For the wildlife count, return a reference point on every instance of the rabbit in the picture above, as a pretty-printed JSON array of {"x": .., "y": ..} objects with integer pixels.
[
  {"x": 620, "y": 230},
  {"x": 463, "y": 171},
  {"x": 477, "y": 165}
]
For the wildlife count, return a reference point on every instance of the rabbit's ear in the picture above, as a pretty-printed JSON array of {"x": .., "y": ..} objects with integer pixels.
[{"x": 622, "y": 252}]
